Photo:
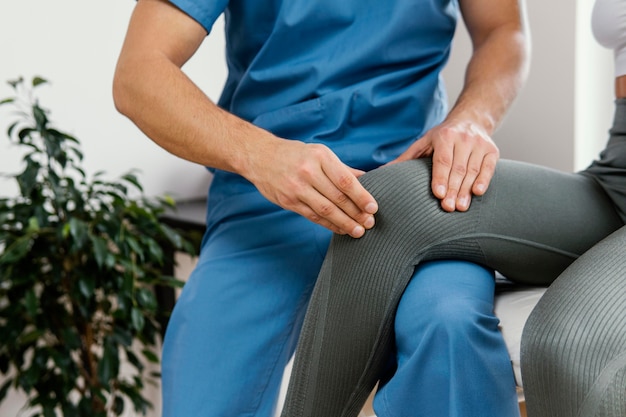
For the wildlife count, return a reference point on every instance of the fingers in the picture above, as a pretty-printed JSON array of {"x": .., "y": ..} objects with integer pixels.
[
  {"x": 313, "y": 182},
  {"x": 342, "y": 200},
  {"x": 462, "y": 167},
  {"x": 488, "y": 168}
]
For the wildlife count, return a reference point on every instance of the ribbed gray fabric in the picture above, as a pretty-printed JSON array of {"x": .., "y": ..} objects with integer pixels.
[
  {"x": 347, "y": 335},
  {"x": 574, "y": 342}
]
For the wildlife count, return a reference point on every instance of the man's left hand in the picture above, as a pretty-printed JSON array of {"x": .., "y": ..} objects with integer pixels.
[{"x": 464, "y": 161}]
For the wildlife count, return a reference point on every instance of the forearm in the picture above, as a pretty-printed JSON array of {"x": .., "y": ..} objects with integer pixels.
[
  {"x": 494, "y": 77},
  {"x": 171, "y": 110}
]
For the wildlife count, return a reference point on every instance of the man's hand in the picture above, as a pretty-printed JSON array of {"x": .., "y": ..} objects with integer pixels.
[
  {"x": 310, "y": 180},
  {"x": 464, "y": 156},
  {"x": 464, "y": 160}
]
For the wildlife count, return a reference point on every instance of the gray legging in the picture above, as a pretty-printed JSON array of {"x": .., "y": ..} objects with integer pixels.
[
  {"x": 574, "y": 342},
  {"x": 531, "y": 225},
  {"x": 347, "y": 335}
]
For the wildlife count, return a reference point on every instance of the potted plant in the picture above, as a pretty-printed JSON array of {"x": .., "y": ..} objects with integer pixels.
[{"x": 79, "y": 261}]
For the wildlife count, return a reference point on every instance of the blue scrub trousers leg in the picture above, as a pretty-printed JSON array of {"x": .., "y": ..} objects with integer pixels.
[
  {"x": 236, "y": 323},
  {"x": 451, "y": 358}
]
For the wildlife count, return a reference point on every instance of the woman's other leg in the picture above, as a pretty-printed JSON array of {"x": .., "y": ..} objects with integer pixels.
[{"x": 574, "y": 342}]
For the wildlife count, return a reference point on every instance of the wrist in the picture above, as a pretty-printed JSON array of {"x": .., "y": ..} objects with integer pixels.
[{"x": 475, "y": 119}]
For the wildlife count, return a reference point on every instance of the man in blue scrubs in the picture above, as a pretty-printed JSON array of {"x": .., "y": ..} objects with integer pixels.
[{"x": 318, "y": 92}]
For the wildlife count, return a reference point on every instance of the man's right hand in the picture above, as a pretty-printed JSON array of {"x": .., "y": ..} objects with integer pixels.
[{"x": 310, "y": 180}]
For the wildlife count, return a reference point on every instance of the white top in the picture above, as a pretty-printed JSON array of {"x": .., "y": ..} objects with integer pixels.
[{"x": 608, "y": 23}]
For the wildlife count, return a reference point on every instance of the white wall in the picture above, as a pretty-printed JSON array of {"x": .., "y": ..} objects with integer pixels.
[{"x": 74, "y": 44}]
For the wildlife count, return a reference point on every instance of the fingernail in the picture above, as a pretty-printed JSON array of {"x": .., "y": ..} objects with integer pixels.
[
  {"x": 450, "y": 203},
  {"x": 464, "y": 202},
  {"x": 480, "y": 188},
  {"x": 369, "y": 223},
  {"x": 358, "y": 231},
  {"x": 440, "y": 190},
  {"x": 371, "y": 208}
]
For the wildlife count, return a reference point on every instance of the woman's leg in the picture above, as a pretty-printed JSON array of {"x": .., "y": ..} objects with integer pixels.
[
  {"x": 529, "y": 213},
  {"x": 451, "y": 358},
  {"x": 574, "y": 342}
]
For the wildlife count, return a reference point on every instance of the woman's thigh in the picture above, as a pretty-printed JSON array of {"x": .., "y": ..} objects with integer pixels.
[{"x": 530, "y": 225}]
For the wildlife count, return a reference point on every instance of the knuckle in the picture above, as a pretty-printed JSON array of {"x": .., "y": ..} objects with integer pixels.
[
  {"x": 325, "y": 209},
  {"x": 473, "y": 170},
  {"x": 315, "y": 218},
  {"x": 460, "y": 169},
  {"x": 318, "y": 150},
  {"x": 490, "y": 163},
  {"x": 345, "y": 181},
  {"x": 443, "y": 159},
  {"x": 305, "y": 170},
  {"x": 285, "y": 201},
  {"x": 341, "y": 199},
  {"x": 446, "y": 131}
]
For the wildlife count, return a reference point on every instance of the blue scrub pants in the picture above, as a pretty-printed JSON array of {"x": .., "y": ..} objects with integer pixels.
[{"x": 237, "y": 323}]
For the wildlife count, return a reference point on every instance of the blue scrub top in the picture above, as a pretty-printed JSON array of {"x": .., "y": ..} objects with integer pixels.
[{"x": 360, "y": 76}]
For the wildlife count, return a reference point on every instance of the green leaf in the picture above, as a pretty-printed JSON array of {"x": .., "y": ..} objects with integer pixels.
[
  {"x": 78, "y": 230},
  {"x": 122, "y": 336},
  {"x": 31, "y": 302},
  {"x": 12, "y": 126},
  {"x": 137, "y": 319},
  {"x": 118, "y": 405},
  {"x": 38, "y": 81},
  {"x": 150, "y": 355},
  {"x": 49, "y": 412},
  {"x": 108, "y": 367},
  {"x": 65, "y": 232},
  {"x": 87, "y": 285},
  {"x": 134, "y": 360},
  {"x": 33, "y": 225},
  {"x": 30, "y": 337},
  {"x": 4, "y": 364},
  {"x": 146, "y": 298},
  {"x": 156, "y": 252},
  {"x": 16, "y": 251},
  {"x": 135, "y": 247},
  {"x": 132, "y": 178},
  {"x": 6, "y": 101},
  {"x": 40, "y": 118},
  {"x": 171, "y": 235},
  {"x": 100, "y": 249},
  {"x": 25, "y": 133},
  {"x": 168, "y": 200},
  {"x": 15, "y": 83},
  {"x": 5, "y": 388}
]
